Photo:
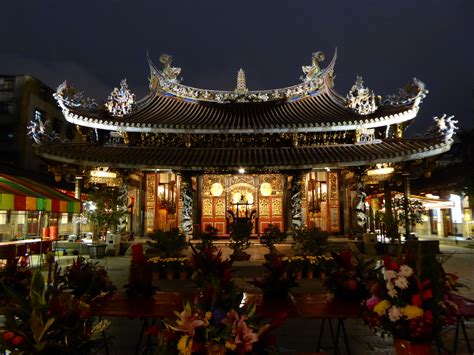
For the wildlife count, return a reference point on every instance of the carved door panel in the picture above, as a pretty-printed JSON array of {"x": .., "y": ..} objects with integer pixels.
[
  {"x": 270, "y": 212},
  {"x": 213, "y": 214}
]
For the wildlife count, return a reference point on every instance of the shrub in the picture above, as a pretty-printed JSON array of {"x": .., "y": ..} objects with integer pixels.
[
  {"x": 271, "y": 236},
  {"x": 168, "y": 243},
  {"x": 312, "y": 241}
]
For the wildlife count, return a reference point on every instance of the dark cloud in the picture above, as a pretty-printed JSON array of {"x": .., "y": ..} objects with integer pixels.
[{"x": 94, "y": 44}]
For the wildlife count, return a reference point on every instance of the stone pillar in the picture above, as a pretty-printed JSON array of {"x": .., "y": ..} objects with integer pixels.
[
  {"x": 390, "y": 223},
  {"x": 77, "y": 194},
  {"x": 406, "y": 192},
  {"x": 297, "y": 220},
  {"x": 186, "y": 223}
]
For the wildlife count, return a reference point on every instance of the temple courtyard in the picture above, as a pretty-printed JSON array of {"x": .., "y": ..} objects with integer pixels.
[{"x": 296, "y": 335}]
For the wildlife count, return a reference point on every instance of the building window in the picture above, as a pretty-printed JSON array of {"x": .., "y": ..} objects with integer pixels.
[
  {"x": 6, "y": 84},
  {"x": 6, "y": 107}
]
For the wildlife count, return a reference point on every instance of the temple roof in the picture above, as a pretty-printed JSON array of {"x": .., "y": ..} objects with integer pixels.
[
  {"x": 281, "y": 158},
  {"x": 312, "y": 106}
]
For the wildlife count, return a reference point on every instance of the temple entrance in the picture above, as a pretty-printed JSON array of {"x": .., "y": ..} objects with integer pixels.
[{"x": 257, "y": 197}]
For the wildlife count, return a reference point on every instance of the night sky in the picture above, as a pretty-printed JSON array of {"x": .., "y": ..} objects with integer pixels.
[{"x": 94, "y": 44}]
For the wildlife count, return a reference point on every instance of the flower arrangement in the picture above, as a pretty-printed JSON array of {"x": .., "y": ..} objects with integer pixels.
[
  {"x": 348, "y": 275},
  {"x": 140, "y": 282},
  {"x": 49, "y": 320},
  {"x": 216, "y": 322},
  {"x": 87, "y": 278},
  {"x": 277, "y": 279},
  {"x": 410, "y": 303},
  {"x": 168, "y": 243}
]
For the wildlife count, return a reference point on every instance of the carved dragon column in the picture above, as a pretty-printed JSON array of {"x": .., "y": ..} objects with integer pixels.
[
  {"x": 187, "y": 210},
  {"x": 297, "y": 220},
  {"x": 361, "y": 213}
]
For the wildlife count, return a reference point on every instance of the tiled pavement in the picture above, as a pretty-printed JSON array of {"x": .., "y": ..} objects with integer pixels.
[{"x": 295, "y": 335}]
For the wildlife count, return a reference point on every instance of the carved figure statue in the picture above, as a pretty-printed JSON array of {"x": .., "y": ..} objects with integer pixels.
[
  {"x": 41, "y": 132},
  {"x": 364, "y": 135},
  {"x": 413, "y": 90},
  {"x": 170, "y": 73},
  {"x": 360, "y": 99},
  {"x": 311, "y": 71}
]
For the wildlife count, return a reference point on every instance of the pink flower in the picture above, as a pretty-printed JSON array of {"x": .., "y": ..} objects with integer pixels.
[
  {"x": 371, "y": 302},
  {"x": 188, "y": 322},
  {"x": 245, "y": 336}
]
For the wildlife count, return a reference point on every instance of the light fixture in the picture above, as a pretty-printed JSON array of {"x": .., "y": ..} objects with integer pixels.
[
  {"x": 249, "y": 198},
  {"x": 216, "y": 189},
  {"x": 382, "y": 169},
  {"x": 241, "y": 171},
  {"x": 266, "y": 189},
  {"x": 236, "y": 197},
  {"x": 103, "y": 173}
]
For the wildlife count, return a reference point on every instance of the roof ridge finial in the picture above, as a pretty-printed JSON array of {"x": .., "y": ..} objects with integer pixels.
[{"x": 241, "y": 82}]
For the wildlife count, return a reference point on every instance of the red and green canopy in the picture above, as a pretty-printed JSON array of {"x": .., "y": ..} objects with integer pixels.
[{"x": 22, "y": 194}]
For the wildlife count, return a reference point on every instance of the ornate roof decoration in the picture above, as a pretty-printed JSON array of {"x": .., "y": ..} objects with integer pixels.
[
  {"x": 68, "y": 95},
  {"x": 166, "y": 81},
  {"x": 412, "y": 91},
  {"x": 121, "y": 101},
  {"x": 360, "y": 99},
  {"x": 170, "y": 73},
  {"x": 444, "y": 126},
  {"x": 365, "y": 135},
  {"x": 41, "y": 131},
  {"x": 311, "y": 71},
  {"x": 241, "y": 87}
]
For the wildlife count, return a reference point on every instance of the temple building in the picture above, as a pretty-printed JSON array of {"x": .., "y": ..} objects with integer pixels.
[{"x": 294, "y": 156}]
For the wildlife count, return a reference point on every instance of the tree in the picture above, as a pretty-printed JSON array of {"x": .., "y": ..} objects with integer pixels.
[{"x": 106, "y": 209}]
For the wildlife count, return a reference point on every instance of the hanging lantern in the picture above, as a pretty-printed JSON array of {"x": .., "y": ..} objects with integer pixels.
[
  {"x": 216, "y": 189},
  {"x": 266, "y": 189}
]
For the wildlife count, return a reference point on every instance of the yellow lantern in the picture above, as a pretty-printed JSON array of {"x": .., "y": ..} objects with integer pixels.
[
  {"x": 216, "y": 189},
  {"x": 266, "y": 189}
]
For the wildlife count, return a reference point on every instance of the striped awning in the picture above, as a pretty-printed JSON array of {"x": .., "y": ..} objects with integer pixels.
[{"x": 22, "y": 194}]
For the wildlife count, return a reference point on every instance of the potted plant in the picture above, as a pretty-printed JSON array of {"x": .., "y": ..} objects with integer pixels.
[
  {"x": 409, "y": 302},
  {"x": 167, "y": 243},
  {"x": 105, "y": 209},
  {"x": 207, "y": 238},
  {"x": 240, "y": 232},
  {"x": 310, "y": 241},
  {"x": 271, "y": 236},
  {"x": 87, "y": 279},
  {"x": 277, "y": 280},
  {"x": 349, "y": 275}
]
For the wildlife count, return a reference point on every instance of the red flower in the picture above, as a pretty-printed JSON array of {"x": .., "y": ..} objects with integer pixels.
[
  {"x": 390, "y": 264},
  {"x": 153, "y": 330},
  {"x": 427, "y": 294},
  {"x": 416, "y": 300},
  {"x": 17, "y": 340},
  {"x": 8, "y": 335}
]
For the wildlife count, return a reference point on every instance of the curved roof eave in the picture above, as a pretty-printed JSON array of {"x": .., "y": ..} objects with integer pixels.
[
  {"x": 155, "y": 127},
  {"x": 408, "y": 155}
]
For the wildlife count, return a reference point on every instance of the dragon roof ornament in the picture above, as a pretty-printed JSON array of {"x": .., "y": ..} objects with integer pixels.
[
  {"x": 412, "y": 91},
  {"x": 166, "y": 81},
  {"x": 71, "y": 98},
  {"x": 444, "y": 126},
  {"x": 360, "y": 99}
]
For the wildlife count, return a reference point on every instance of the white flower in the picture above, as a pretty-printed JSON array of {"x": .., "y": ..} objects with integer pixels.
[
  {"x": 392, "y": 293},
  {"x": 390, "y": 274},
  {"x": 394, "y": 313},
  {"x": 405, "y": 271},
  {"x": 390, "y": 285},
  {"x": 401, "y": 282}
]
